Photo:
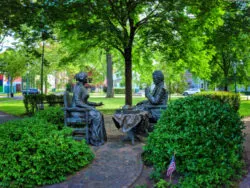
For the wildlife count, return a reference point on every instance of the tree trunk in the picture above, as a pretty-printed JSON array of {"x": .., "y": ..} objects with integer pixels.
[
  {"x": 226, "y": 82},
  {"x": 11, "y": 87},
  {"x": 128, "y": 76},
  {"x": 55, "y": 81},
  {"x": 8, "y": 94},
  {"x": 42, "y": 68},
  {"x": 169, "y": 91},
  {"x": 225, "y": 69},
  {"x": 110, "y": 90},
  {"x": 46, "y": 85},
  {"x": 225, "y": 87}
]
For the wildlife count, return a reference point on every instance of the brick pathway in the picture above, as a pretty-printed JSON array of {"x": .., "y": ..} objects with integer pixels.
[
  {"x": 246, "y": 181},
  {"x": 117, "y": 164},
  {"x": 6, "y": 117}
]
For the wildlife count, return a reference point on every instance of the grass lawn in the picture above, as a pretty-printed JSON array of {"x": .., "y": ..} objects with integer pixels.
[
  {"x": 16, "y": 107},
  {"x": 111, "y": 104},
  {"x": 10, "y": 106},
  {"x": 245, "y": 108}
]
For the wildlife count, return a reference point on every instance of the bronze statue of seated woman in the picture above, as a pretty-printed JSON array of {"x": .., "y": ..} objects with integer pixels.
[{"x": 97, "y": 133}]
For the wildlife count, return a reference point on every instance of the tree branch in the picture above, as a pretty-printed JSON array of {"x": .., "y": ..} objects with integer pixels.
[
  {"x": 115, "y": 46},
  {"x": 145, "y": 20},
  {"x": 120, "y": 21},
  {"x": 117, "y": 31}
]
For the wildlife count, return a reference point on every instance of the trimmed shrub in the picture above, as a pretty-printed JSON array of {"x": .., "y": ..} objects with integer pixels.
[
  {"x": 246, "y": 92},
  {"x": 53, "y": 115},
  {"x": 119, "y": 90},
  {"x": 33, "y": 152},
  {"x": 54, "y": 100},
  {"x": 104, "y": 89},
  {"x": 31, "y": 101},
  {"x": 206, "y": 137},
  {"x": 225, "y": 97}
]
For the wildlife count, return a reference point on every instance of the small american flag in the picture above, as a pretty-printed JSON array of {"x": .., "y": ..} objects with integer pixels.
[{"x": 171, "y": 167}]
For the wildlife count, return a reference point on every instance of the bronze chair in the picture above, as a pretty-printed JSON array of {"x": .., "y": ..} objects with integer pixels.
[
  {"x": 155, "y": 111},
  {"x": 80, "y": 125}
]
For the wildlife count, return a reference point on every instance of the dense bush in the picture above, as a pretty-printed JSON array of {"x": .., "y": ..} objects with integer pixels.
[
  {"x": 119, "y": 90},
  {"x": 54, "y": 100},
  {"x": 33, "y": 152},
  {"x": 54, "y": 115},
  {"x": 246, "y": 92},
  {"x": 104, "y": 89},
  {"x": 31, "y": 101},
  {"x": 206, "y": 137},
  {"x": 225, "y": 97}
]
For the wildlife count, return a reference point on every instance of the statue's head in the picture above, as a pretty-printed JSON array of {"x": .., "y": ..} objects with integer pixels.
[
  {"x": 158, "y": 77},
  {"x": 81, "y": 77}
]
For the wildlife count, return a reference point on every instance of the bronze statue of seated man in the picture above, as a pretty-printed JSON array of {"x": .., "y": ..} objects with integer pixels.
[
  {"x": 136, "y": 120},
  {"x": 156, "y": 100}
]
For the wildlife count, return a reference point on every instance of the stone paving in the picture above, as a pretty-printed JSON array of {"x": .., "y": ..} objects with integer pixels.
[
  {"x": 6, "y": 117},
  {"x": 246, "y": 180},
  {"x": 118, "y": 164}
]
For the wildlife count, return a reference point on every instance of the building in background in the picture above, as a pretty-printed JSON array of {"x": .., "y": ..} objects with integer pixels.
[
  {"x": 195, "y": 82},
  {"x": 5, "y": 86}
]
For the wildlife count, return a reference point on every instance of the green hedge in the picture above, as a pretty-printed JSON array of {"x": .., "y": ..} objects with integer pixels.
[
  {"x": 206, "y": 137},
  {"x": 246, "y": 92},
  {"x": 225, "y": 97},
  {"x": 54, "y": 100},
  {"x": 31, "y": 101},
  {"x": 119, "y": 90},
  {"x": 33, "y": 152}
]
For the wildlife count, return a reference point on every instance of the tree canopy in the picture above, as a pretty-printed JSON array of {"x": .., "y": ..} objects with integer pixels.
[
  {"x": 231, "y": 42},
  {"x": 185, "y": 35},
  {"x": 120, "y": 24}
]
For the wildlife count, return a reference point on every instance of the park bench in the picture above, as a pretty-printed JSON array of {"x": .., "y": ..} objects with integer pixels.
[{"x": 80, "y": 125}]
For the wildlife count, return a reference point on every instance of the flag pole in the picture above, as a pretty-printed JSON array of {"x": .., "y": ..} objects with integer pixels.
[
  {"x": 171, "y": 167},
  {"x": 171, "y": 173}
]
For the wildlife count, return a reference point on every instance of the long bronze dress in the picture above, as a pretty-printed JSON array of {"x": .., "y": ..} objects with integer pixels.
[{"x": 97, "y": 132}]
